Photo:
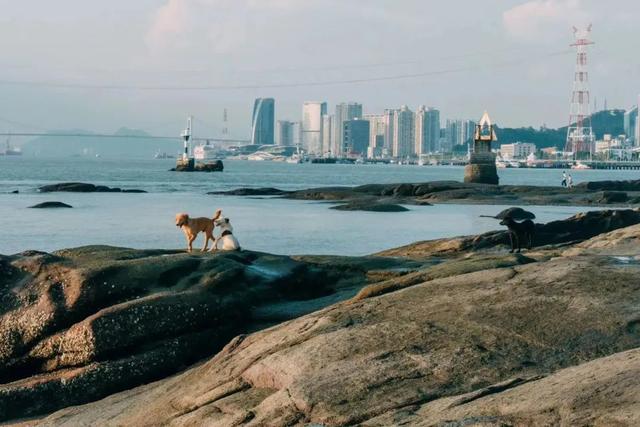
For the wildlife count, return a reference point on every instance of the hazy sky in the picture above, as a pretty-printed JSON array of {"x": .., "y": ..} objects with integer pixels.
[{"x": 100, "y": 65}]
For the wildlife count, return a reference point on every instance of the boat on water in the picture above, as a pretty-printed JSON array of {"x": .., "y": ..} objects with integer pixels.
[
  {"x": 514, "y": 164},
  {"x": 580, "y": 166},
  {"x": 295, "y": 158},
  {"x": 11, "y": 151},
  {"x": 163, "y": 155}
]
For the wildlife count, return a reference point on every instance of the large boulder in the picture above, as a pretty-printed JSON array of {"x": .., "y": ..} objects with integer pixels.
[
  {"x": 213, "y": 166},
  {"x": 49, "y": 205},
  {"x": 630, "y": 185}
]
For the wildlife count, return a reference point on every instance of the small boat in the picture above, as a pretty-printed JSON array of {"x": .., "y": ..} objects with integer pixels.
[
  {"x": 9, "y": 151},
  {"x": 580, "y": 166},
  {"x": 514, "y": 164},
  {"x": 163, "y": 155},
  {"x": 295, "y": 159}
]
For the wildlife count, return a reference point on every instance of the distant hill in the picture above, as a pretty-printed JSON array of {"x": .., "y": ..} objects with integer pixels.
[
  {"x": 603, "y": 122},
  {"x": 86, "y": 145}
]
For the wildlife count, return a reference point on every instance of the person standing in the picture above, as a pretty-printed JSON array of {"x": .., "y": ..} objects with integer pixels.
[
  {"x": 564, "y": 179},
  {"x": 570, "y": 181}
]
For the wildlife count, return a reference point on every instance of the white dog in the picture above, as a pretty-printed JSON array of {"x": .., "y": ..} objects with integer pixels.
[{"x": 229, "y": 241}]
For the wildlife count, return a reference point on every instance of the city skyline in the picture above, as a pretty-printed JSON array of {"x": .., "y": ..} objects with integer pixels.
[{"x": 200, "y": 57}]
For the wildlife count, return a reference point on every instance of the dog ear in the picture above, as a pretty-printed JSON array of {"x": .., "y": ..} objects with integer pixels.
[{"x": 226, "y": 220}]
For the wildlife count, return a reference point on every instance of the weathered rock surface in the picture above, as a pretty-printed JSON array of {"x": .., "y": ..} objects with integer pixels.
[
  {"x": 214, "y": 166},
  {"x": 81, "y": 187},
  {"x": 579, "y": 227},
  {"x": 551, "y": 341},
  {"x": 631, "y": 185},
  {"x": 370, "y": 206},
  {"x": 584, "y": 194},
  {"x": 48, "y": 205},
  {"x": 79, "y": 324}
]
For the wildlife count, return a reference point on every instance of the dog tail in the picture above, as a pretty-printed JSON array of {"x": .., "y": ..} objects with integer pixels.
[{"x": 217, "y": 214}]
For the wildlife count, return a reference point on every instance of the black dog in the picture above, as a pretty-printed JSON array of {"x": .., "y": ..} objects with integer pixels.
[{"x": 519, "y": 231}]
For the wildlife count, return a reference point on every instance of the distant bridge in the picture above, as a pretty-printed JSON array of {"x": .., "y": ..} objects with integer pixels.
[{"x": 99, "y": 135}]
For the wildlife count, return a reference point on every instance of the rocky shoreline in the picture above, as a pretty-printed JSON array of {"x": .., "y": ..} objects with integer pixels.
[
  {"x": 368, "y": 197},
  {"x": 452, "y": 330}
]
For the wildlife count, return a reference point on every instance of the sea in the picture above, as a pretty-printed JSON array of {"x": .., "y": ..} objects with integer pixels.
[{"x": 260, "y": 223}]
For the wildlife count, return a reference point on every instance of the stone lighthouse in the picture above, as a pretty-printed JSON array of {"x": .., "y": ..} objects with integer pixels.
[{"x": 482, "y": 162}]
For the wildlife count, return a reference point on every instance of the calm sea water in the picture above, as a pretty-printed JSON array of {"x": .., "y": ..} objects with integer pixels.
[{"x": 265, "y": 224}]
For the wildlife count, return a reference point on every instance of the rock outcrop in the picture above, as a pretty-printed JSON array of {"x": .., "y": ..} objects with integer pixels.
[
  {"x": 214, "y": 166},
  {"x": 370, "y": 206},
  {"x": 79, "y": 324},
  {"x": 49, "y": 205},
  {"x": 550, "y": 340},
  {"x": 586, "y": 194},
  {"x": 577, "y": 228},
  {"x": 82, "y": 187}
]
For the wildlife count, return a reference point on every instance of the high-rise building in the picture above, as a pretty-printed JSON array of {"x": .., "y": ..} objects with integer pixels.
[
  {"x": 312, "y": 121},
  {"x": 427, "y": 130},
  {"x": 389, "y": 130},
  {"x": 344, "y": 111},
  {"x": 638, "y": 126},
  {"x": 263, "y": 121},
  {"x": 432, "y": 130},
  {"x": 631, "y": 124},
  {"x": 355, "y": 136},
  {"x": 327, "y": 135},
  {"x": 403, "y": 133},
  {"x": 285, "y": 131},
  {"x": 377, "y": 129}
]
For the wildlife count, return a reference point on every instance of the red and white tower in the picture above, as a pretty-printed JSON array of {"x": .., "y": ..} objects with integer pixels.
[{"x": 580, "y": 138}]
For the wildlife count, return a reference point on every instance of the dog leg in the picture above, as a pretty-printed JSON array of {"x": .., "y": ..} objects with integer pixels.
[
  {"x": 206, "y": 243},
  {"x": 518, "y": 241},
  {"x": 214, "y": 246},
  {"x": 511, "y": 242},
  {"x": 190, "y": 243}
]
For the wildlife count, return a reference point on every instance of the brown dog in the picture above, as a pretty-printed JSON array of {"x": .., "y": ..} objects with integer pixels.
[{"x": 193, "y": 226}]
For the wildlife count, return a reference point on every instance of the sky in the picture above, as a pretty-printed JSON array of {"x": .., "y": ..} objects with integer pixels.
[{"x": 148, "y": 64}]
